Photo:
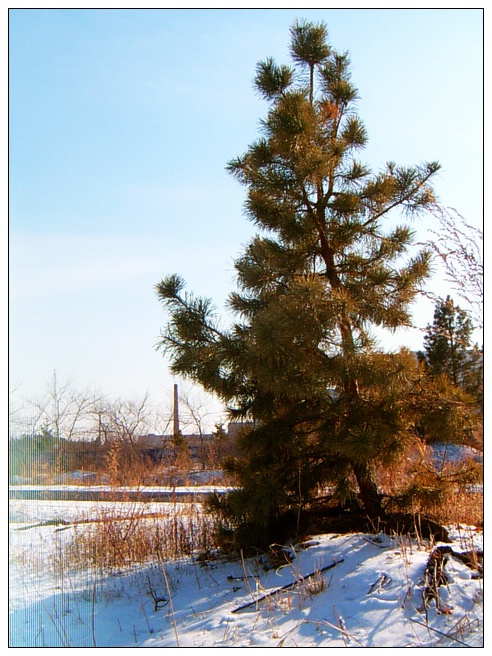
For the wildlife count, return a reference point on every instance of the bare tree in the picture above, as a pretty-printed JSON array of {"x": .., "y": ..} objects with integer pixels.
[
  {"x": 62, "y": 413},
  {"x": 62, "y": 410},
  {"x": 118, "y": 426},
  {"x": 125, "y": 420},
  {"x": 459, "y": 246},
  {"x": 100, "y": 428},
  {"x": 198, "y": 410}
]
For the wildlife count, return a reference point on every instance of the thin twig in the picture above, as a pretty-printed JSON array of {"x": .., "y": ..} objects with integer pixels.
[
  {"x": 341, "y": 627},
  {"x": 163, "y": 568},
  {"x": 93, "y": 615},
  {"x": 343, "y": 632},
  {"x": 444, "y": 635}
]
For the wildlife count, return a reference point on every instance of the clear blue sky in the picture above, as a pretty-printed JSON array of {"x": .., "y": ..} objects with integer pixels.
[{"x": 121, "y": 123}]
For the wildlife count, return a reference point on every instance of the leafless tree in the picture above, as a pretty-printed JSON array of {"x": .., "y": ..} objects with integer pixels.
[
  {"x": 197, "y": 411},
  {"x": 124, "y": 420},
  {"x": 459, "y": 246},
  {"x": 62, "y": 410},
  {"x": 63, "y": 413}
]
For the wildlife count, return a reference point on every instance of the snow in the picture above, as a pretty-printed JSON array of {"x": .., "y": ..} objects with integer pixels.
[{"x": 364, "y": 591}]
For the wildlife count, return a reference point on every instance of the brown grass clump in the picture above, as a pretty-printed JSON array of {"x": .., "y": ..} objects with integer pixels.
[
  {"x": 446, "y": 491},
  {"x": 462, "y": 507},
  {"x": 118, "y": 540}
]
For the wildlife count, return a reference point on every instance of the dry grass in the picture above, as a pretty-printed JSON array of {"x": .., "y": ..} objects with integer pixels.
[
  {"x": 447, "y": 492},
  {"x": 463, "y": 507},
  {"x": 315, "y": 584},
  {"x": 115, "y": 541}
]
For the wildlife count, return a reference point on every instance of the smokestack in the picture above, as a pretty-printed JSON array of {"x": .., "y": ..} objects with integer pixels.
[{"x": 175, "y": 412}]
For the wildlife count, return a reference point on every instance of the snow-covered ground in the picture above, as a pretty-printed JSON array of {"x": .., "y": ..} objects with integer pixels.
[{"x": 352, "y": 590}]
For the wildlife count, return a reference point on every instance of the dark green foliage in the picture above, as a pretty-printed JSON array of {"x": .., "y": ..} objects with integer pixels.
[
  {"x": 449, "y": 350},
  {"x": 272, "y": 80},
  {"x": 328, "y": 265},
  {"x": 448, "y": 340},
  {"x": 28, "y": 453}
]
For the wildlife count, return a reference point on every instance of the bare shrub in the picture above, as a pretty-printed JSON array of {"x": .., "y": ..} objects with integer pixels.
[{"x": 459, "y": 246}]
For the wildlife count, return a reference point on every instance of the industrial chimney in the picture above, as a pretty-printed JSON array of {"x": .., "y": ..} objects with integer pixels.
[{"x": 175, "y": 412}]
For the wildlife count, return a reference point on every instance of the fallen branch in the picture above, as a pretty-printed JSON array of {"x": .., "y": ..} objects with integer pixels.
[
  {"x": 286, "y": 587},
  {"x": 97, "y": 520},
  {"x": 444, "y": 635}
]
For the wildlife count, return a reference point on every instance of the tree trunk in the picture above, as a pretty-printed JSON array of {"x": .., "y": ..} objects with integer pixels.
[{"x": 369, "y": 496}]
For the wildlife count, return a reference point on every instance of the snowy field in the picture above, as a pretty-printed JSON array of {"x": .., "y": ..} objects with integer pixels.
[{"x": 333, "y": 591}]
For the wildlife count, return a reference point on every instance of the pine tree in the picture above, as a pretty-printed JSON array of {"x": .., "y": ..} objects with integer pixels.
[
  {"x": 328, "y": 265},
  {"x": 448, "y": 348}
]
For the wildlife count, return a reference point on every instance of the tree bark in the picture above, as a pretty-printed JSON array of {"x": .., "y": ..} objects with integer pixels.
[{"x": 369, "y": 496}]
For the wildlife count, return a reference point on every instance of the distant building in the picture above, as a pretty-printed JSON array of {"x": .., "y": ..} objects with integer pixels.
[
  {"x": 160, "y": 448},
  {"x": 236, "y": 428}
]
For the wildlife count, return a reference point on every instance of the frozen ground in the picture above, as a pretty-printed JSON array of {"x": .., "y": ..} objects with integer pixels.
[{"x": 364, "y": 591}]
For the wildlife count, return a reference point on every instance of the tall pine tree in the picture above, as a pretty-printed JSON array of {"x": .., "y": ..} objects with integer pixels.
[{"x": 328, "y": 265}]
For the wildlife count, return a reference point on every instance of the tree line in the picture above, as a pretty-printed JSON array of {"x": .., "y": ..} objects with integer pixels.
[{"x": 66, "y": 428}]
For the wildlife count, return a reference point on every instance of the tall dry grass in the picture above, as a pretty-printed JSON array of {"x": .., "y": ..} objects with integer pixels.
[
  {"x": 116, "y": 539},
  {"x": 446, "y": 491}
]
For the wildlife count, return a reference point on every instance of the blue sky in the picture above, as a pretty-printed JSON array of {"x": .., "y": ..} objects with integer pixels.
[{"x": 121, "y": 123}]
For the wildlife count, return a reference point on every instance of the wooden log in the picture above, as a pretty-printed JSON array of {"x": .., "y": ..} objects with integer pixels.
[{"x": 435, "y": 573}]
